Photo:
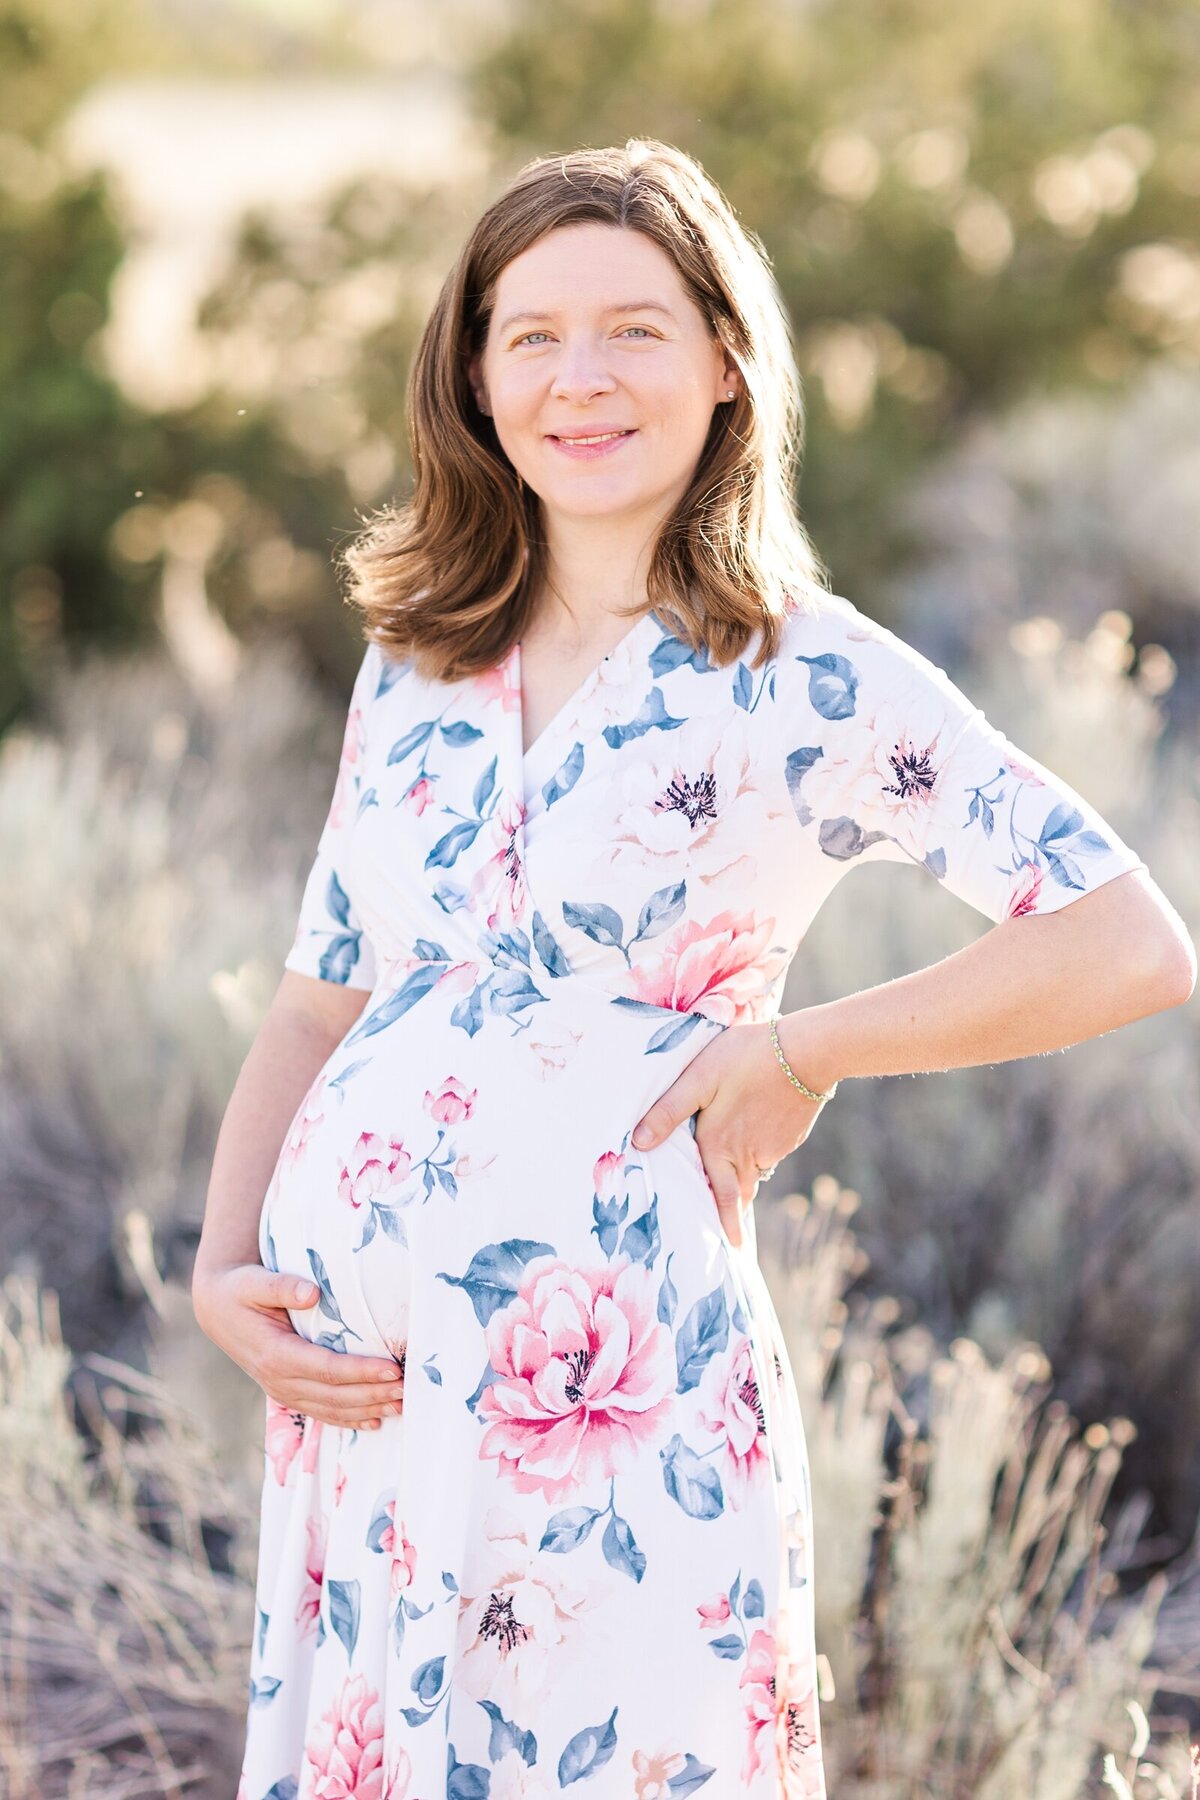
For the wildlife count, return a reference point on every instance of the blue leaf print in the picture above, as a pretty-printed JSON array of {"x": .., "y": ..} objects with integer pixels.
[
  {"x": 485, "y": 1381},
  {"x": 460, "y": 733},
  {"x": 692, "y": 1775},
  {"x": 652, "y": 715},
  {"x": 609, "y": 1216},
  {"x": 494, "y": 1273},
  {"x": 271, "y": 1260},
  {"x": 795, "y": 769},
  {"x": 340, "y": 957},
  {"x": 671, "y": 653},
  {"x": 510, "y": 991},
  {"x": 935, "y": 862},
  {"x": 344, "y": 1610},
  {"x": 414, "y": 987},
  {"x": 547, "y": 946},
  {"x": 691, "y": 1482},
  {"x": 843, "y": 838},
  {"x": 506, "y": 1736},
  {"x": 390, "y": 671},
  {"x": 262, "y": 1628},
  {"x": 285, "y": 1789},
  {"x": 1065, "y": 870},
  {"x": 729, "y": 1649},
  {"x": 337, "y": 900},
  {"x": 427, "y": 1679},
  {"x": 620, "y": 1549},
  {"x": 446, "y": 851},
  {"x": 832, "y": 685},
  {"x": 734, "y": 1591},
  {"x": 339, "y": 1081},
  {"x": 743, "y": 687},
  {"x": 564, "y": 777},
  {"x": 412, "y": 740},
  {"x": 642, "y": 1242},
  {"x": 667, "y": 1036},
  {"x": 702, "y": 1334},
  {"x": 263, "y": 1691},
  {"x": 667, "y": 1296},
  {"x": 329, "y": 1305},
  {"x": 660, "y": 911},
  {"x": 392, "y": 1220},
  {"x": 1064, "y": 820},
  {"x": 752, "y": 1605},
  {"x": 467, "y": 1015},
  {"x": 428, "y": 951},
  {"x": 600, "y": 922},
  {"x": 368, "y": 1231},
  {"x": 567, "y": 1530},
  {"x": 434, "y": 1373},
  {"x": 465, "y": 1781},
  {"x": 588, "y": 1751},
  {"x": 484, "y": 787}
]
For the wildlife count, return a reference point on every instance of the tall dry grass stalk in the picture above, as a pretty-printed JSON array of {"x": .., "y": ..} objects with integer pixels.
[
  {"x": 968, "y": 1594},
  {"x": 122, "y": 1650}
]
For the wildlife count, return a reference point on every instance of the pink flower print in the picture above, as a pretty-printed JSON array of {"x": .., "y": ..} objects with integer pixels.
[
  {"x": 419, "y": 796},
  {"x": 713, "y": 969},
  {"x": 353, "y": 743},
  {"x": 403, "y": 1566},
  {"x": 512, "y": 1779},
  {"x": 882, "y": 767},
  {"x": 465, "y": 1166},
  {"x": 1023, "y": 772},
  {"x": 499, "y": 882},
  {"x": 798, "y": 1734},
  {"x": 553, "y": 1048},
  {"x": 757, "y": 1683},
  {"x": 500, "y": 683},
  {"x": 652, "y": 1774},
  {"x": 339, "y": 1485},
  {"x": 690, "y": 805},
  {"x": 586, "y": 1374},
  {"x": 520, "y": 1615},
  {"x": 731, "y": 1405},
  {"x": 452, "y": 1103},
  {"x": 314, "y": 1568},
  {"x": 346, "y": 1755},
  {"x": 303, "y": 1126},
  {"x": 608, "y": 1176},
  {"x": 286, "y": 1433},
  {"x": 399, "y": 1773},
  {"x": 714, "y": 1612},
  {"x": 373, "y": 1169},
  {"x": 1023, "y": 895}
]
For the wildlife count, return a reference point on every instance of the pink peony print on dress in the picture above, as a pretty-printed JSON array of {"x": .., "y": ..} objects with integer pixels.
[
  {"x": 344, "y": 1757},
  {"x": 585, "y": 1375}
]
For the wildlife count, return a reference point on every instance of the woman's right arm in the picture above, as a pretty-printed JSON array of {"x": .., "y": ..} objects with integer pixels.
[{"x": 240, "y": 1305}]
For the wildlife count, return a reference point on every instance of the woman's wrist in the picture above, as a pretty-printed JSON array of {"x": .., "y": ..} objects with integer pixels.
[{"x": 808, "y": 1041}]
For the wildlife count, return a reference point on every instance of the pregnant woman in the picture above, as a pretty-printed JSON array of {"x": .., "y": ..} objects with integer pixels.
[{"x": 536, "y": 1511}]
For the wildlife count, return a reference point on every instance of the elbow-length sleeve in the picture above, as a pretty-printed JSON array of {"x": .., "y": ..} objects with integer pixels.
[
  {"x": 886, "y": 759},
  {"x": 330, "y": 942}
]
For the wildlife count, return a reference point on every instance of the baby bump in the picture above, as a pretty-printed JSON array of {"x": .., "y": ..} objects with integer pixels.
[{"x": 340, "y": 1210}]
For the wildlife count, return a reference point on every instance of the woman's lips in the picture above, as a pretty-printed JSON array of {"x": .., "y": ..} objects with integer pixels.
[{"x": 589, "y": 452}]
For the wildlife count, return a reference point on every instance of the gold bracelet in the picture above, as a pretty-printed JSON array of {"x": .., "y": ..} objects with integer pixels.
[{"x": 791, "y": 1074}]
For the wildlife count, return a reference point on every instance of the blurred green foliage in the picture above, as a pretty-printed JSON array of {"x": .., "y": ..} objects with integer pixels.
[{"x": 961, "y": 205}]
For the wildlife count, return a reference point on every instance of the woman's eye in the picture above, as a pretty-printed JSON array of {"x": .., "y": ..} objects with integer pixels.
[{"x": 533, "y": 334}]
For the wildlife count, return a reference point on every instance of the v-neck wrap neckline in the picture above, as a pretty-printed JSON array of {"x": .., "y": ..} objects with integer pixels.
[{"x": 536, "y": 762}]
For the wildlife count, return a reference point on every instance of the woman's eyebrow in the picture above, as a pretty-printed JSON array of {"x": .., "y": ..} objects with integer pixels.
[{"x": 621, "y": 306}]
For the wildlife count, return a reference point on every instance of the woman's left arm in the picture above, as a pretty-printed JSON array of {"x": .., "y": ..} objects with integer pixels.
[{"x": 1030, "y": 985}]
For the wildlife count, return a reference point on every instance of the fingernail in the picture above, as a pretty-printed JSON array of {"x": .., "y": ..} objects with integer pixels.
[
  {"x": 643, "y": 1137},
  {"x": 306, "y": 1293}
]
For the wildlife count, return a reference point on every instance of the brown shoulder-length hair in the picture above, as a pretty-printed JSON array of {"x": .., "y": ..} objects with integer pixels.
[{"x": 449, "y": 578}]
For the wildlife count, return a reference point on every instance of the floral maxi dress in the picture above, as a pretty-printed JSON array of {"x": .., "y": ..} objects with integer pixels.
[{"x": 581, "y": 1557}]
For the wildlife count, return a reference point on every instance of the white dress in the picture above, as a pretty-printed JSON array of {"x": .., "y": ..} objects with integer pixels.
[{"x": 582, "y": 1556}]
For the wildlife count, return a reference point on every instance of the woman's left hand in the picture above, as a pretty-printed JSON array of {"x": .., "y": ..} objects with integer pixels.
[{"x": 751, "y": 1116}]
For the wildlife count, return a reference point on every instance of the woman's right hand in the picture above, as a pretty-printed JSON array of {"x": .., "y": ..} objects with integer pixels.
[{"x": 243, "y": 1308}]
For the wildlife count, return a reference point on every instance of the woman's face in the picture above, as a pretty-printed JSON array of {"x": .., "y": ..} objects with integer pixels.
[{"x": 610, "y": 340}]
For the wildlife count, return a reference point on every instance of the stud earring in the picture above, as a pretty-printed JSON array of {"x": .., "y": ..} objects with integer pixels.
[{"x": 729, "y": 393}]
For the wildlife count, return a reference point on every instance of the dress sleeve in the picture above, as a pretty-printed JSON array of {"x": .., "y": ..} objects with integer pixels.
[
  {"x": 330, "y": 942},
  {"x": 887, "y": 760}
]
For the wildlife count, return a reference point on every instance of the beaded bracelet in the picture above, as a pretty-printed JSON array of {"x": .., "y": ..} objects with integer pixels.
[{"x": 790, "y": 1073}]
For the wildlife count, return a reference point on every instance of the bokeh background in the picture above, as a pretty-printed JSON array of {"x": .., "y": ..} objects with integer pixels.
[{"x": 222, "y": 223}]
